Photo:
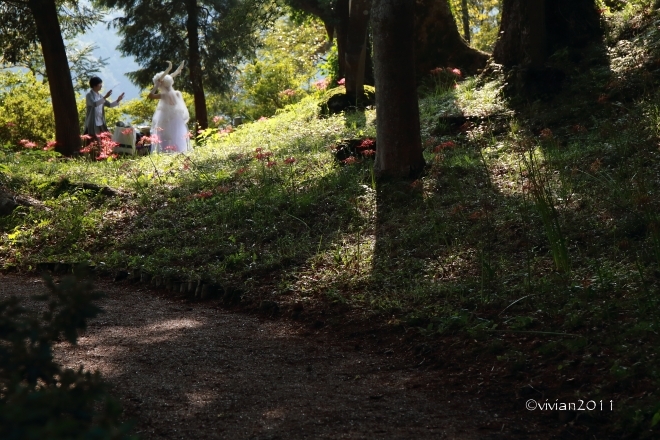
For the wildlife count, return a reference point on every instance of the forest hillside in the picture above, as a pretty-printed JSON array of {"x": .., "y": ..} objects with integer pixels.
[{"x": 524, "y": 262}]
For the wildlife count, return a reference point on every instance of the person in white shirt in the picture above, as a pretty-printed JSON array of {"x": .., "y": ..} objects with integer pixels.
[{"x": 96, "y": 103}]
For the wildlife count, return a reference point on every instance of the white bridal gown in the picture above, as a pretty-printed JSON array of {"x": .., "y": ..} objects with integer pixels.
[{"x": 169, "y": 132}]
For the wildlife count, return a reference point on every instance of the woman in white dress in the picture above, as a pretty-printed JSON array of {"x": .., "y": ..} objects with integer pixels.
[{"x": 169, "y": 132}]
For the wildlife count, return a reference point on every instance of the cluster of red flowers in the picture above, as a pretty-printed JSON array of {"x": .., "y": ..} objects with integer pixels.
[
  {"x": 261, "y": 154},
  {"x": 350, "y": 160},
  {"x": 288, "y": 92},
  {"x": 153, "y": 139},
  {"x": 443, "y": 146},
  {"x": 342, "y": 81},
  {"x": 450, "y": 70},
  {"x": 203, "y": 195},
  {"x": 546, "y": 134},
  {"x": 103, "y": 145},
  {"x": 228, "y": 129},
  {"x": 322, "y": 84},
  {"x": 27, "y": 143},
  {"x": 367, "y": 143},
  {"x": 290, "y": 160},
  {"x": 367, "y": 147}
]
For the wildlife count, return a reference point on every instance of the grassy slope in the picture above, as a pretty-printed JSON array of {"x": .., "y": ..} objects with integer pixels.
[{"x": 534, "y": 240}]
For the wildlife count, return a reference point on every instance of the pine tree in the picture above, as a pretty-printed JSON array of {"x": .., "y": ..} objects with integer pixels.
[{"x": 212, "y": 36}]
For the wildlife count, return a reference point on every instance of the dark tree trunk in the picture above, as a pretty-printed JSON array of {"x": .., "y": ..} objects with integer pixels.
[
  {"x": 342, "y": 20},
  {"x": 531, "y": 30},
  {"x": 466, "y": 20},
  {"x": 438, "y": 41},
  {"x": 356, "y": 47},
  {"x": 399, "y": 152},
  {"x": 67, "y": 130},
  {"x": 201, "y": 115}
]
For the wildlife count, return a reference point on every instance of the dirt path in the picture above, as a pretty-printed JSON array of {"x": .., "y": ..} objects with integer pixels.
[{"x": 188, "y": 371}]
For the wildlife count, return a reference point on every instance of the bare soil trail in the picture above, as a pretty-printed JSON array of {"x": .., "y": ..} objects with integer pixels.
[{"x": 190, "y": 371}]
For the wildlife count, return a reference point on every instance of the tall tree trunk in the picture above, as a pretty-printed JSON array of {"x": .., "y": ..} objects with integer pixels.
[
  {"x": 192, "y": 27},
  {"x": 342, "y": 20},
  {"x": 399, "y": 152},
  {"x": 67, "y": 130},
  {"x": 466, "y": 20},
  {"x": 531, "y": 30},
  {"x": 438, "y": 42},
  {"x": 356, "y": 48}
]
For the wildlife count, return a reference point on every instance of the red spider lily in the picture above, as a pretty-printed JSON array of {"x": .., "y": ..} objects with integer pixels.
[
  {"x": 127, "y": 131},
  {"x": 228, "y": 129},
  {"x": 218, "y": 119},
  {"x": 288, "y": 92},
  {"x": 271, "y": 163},
  {"x": 290, "y": 160},
  {"x": 350, "y": 160},
  {"x": 203, "y": 195},
  {"x": 263, "y": 156},
  {"x": 86, "y": 150},
  {"x": 546, "y": 134},
  {"x": 367, "y": 143},
  {"x": 50, "y": 145},
  {"x": 261, "y": 119},
  {"x": 189, "y": 135},
  {"x": 456, "y": 72},
  {"x": 342, "y": 81},
  {"x": 444, "y": 145},
  {"x": 436, "y": 71},
  {"x": 369, "y": 152},
  {"x": 170, "y": 148},
  {"x": 27, "y": 143},
  {"x": 153, "y": 139},
  {"x": 85, "y": 137},
  {"x": 322, "y": 84},
  {"x": 258, "y": 150}
]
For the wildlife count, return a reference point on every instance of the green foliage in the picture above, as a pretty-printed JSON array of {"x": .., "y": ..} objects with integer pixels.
[
  {"x": 284, "y": 68},
  {"x": 18, "y": 31},
  {"x": 38, "y": 398},
  {"x": 228, "y": 32},
  {"x": 330, "y": 67},
  {"x": 484, "y": 21},
  {"x": 25, "y": 110}
]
